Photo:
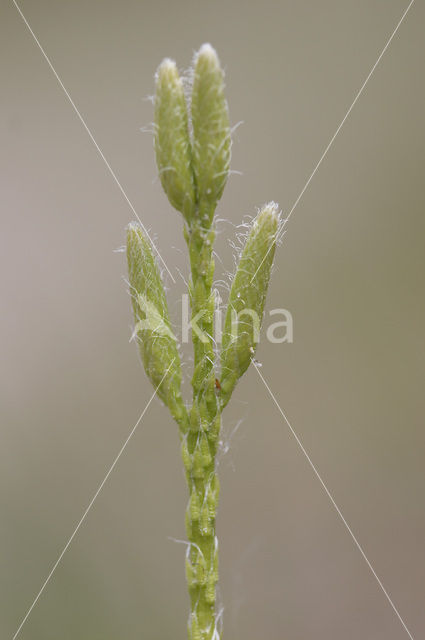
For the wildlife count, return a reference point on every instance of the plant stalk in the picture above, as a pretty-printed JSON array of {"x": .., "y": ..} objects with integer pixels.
[{"x": 200, "y": 443}]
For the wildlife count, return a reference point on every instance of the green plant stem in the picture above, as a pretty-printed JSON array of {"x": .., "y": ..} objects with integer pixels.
[{"x": 200, "y": 444}]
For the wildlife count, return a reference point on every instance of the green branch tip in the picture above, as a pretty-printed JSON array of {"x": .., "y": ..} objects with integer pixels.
[
  {"x": 152, "y": 330},
  {"x": 172, "y": 142},
  {"x": 193, "y": 169},
  {"x": 211, "y": 131},
  {"x": 247, "y": 298}
]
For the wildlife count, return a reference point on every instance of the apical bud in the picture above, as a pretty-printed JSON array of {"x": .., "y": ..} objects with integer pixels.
[
  {"x": 211, "y": 132},
  {"x": 172, "y": 142}
]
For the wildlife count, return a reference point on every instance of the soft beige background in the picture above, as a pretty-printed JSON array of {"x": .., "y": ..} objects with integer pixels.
[{"x": 351, "y": 270}]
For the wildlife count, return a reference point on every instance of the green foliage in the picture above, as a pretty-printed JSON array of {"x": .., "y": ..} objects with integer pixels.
[
  {"x": 211, "y": 132},
  {"x": 193, "y": 165},
  {"x": 157, "y": 343},
  {"x": 247, "y": 299},
  {"x": 172, "y": 144}
]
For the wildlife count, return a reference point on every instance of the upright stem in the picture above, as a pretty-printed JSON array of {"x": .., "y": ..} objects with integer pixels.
[{"x": 200, "y": 443}]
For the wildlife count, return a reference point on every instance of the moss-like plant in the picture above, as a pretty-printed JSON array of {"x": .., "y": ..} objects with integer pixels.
[{"x": 192, "y": 146}]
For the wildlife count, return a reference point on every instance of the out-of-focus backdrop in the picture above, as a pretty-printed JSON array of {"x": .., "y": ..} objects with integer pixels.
[{"x": 350, "y": 270}]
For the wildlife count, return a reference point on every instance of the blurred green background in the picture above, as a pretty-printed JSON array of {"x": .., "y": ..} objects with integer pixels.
[{"x": 350, "y": 269}]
